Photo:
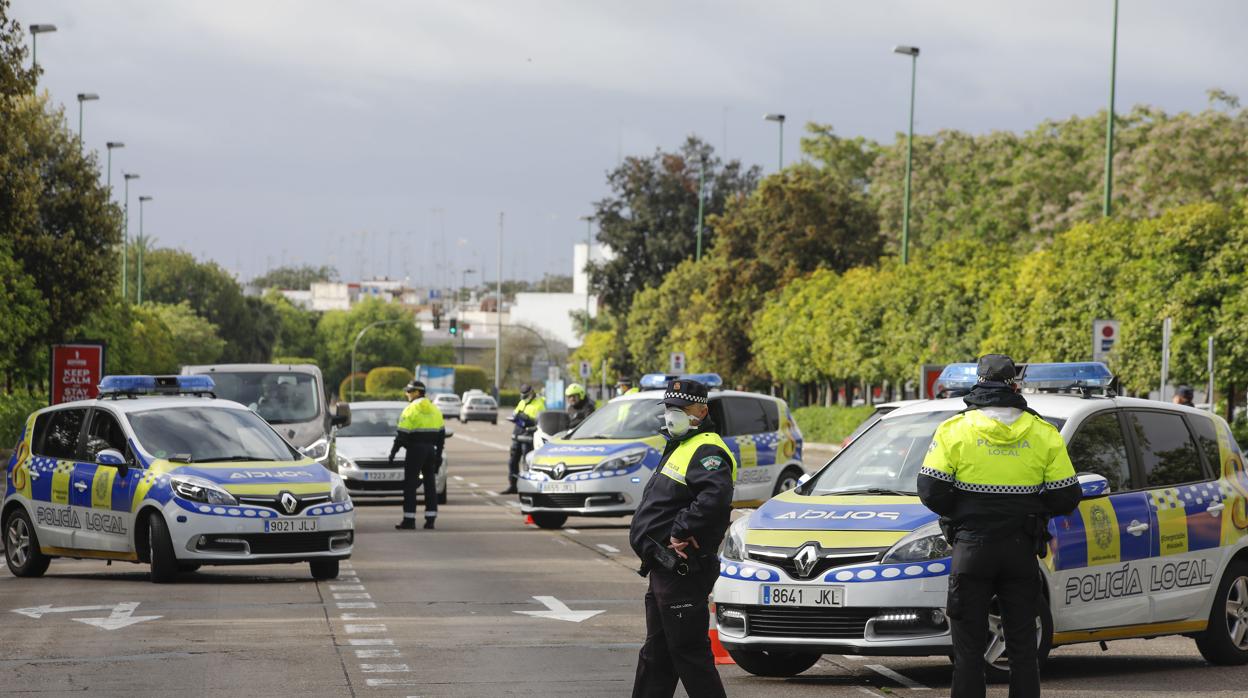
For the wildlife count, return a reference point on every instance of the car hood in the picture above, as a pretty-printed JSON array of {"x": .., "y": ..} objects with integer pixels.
[
  {"x": 590, "y": 451},
  {"x": 260, "y": 478},
  {"x": 836, "y": 521},
  {"x": 364, "y": 447}
]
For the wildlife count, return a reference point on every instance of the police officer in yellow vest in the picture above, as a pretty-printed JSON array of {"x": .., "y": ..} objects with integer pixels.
[
  {"x": 422, "y": 435},
  {"x": 524, "y": 417},
  {"x": 624, "y": 386},
  {"x": 995, "y": 473},
  {"x": 676, "y": 531}
]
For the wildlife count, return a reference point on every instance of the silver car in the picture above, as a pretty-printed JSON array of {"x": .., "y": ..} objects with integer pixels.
[
  {"x": 481, "y": 408},
  {"x": 362, "y": 452},
  {"x": 448, "y": 404}
]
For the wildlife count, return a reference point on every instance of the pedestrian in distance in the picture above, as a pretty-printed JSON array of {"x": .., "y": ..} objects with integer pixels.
[
  {"x": 579, "y": 405},
  {"x": 524, "y": 417},
  {"x": 676, "y": 531},
  {"x": 421, "y": 434},
  {"x": 995, "y": 473},
  {"x": 1184, "y": 396}
]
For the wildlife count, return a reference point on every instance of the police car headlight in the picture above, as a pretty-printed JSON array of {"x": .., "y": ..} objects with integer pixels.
[
  {"x": 339, "y": 491},
  {"x": 733, "y": 547},
  {"x": 622, "y": 461},
  {"x": 197, "y": 489},
  {"x": 922, "y": 544},
  {"x": 316, "y": 450}
]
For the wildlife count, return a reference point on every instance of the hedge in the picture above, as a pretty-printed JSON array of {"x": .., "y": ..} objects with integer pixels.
[
  {"x": 508, "y": 398},
  {"x": 469, "y": 378},
  {"x": 14, "y": 409},
  {"x": 344, "y": 388},
  {"x": 830, "y": 425},
  {"x": 294, "y": 360},
  {"x": 384, "y": 379},
  {"x": 361, "y": 396}
]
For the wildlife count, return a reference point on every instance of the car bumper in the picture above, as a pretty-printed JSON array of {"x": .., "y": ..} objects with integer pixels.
[
  {"x": 603, "y": 496},
  {"x": 236, "y": 535},
  {"x": 361, "y": 488},
  {"x": 478, "y": 416},
  {"x": 887, "y": 617}
]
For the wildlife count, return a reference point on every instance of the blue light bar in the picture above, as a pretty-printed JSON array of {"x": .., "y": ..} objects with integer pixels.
[
  {"x": 659, "y": 381},
  {"x": 1081, "y": 374},
  {"x": 956, "y": 377},
  {"x": 156, "y": 385}
]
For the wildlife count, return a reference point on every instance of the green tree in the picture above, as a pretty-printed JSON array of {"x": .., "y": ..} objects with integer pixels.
[
  {"x": 299, "y": 278},
  {"x": 23, "y": 312},
  {"x": 395, "y": 344},
  {"x": 15, "y": 78},
  {"x": 195, "y": 340},
  {"x": 296, "y": 327},
  {"x": 137, "y": 339}
]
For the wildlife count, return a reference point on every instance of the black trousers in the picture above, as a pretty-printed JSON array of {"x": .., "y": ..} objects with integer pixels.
[
  {"x": 1005, "y": 568},
  {"x": 513, "y": 462},
  {"x": 420, "y": 463},
  {"x": 677, "y": 646}
]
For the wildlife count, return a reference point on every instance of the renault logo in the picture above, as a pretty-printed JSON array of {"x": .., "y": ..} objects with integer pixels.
[
  {"x": 805, "y": 558},
  {"x": 289, "y": 503},
  {"x": 559, "y": 471}
]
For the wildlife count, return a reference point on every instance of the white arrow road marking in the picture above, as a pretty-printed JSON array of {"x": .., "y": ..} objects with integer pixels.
[
  {"x": 903, "y": 680},
  {"x": 608, "y": 548},
  {"x": 122, "y": 614},
  {"x": 558, "y": 611}
]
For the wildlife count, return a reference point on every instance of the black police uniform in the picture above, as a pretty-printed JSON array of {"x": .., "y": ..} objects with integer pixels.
[
  {"x": 996, "y": 531},
  {"x": 422, "y": 445},
  {"x": 677, "y": 618},
  {"x": 579, "y": 412}
]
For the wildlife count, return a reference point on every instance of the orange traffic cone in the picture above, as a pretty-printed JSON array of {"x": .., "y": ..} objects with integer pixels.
[
  {"x": 528, "y": 520},
  {"x": 717, "y": 648}
]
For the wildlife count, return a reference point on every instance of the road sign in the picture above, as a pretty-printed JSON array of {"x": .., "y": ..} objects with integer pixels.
[
  {"x": 927, "y": 380},
  {"x": 586, "y": 369},
  {"x": 1104, "y": 337},
  {"x": 676, "y": 362},
  {"x": 77, "y": 370}
]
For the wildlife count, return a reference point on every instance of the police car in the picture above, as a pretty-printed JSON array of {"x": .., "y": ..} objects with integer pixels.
[
  {"x": 157, "y": 470},
  {"x": 601, "y": 467},
  {"x": 851, "y": 563}
]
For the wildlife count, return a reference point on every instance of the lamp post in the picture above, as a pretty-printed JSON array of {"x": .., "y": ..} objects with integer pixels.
[
  {"x": 913, "y": 52},
  {"x": 697, "y": 256},
  {"x": 35, "y": 31},
  {"x": 125, "y": 235},
  {"x": 463, "y": 286},
  {"x": 1109, "y": 118},
  {"x": 778, "y": 118},
  {"x": 83, "y": 97},
  {"x": 498, "y": 314},
  {"x": 356, "y": 343},
  {"x": 589, "y": 246},
  {"x": 109, "y": 177},
  {"x": 142, "y": 244}
]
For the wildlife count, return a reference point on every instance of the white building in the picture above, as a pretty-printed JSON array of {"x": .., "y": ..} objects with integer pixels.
[{"x": 552, "y": 312}]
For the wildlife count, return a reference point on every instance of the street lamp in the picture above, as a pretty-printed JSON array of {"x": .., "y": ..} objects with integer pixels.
[
  {"x": 697, "y": 257},
  {"x": 142, "y": 244},
  {"x": 125, "y": 235},
  {"x": 356, "y": 343},
  {"x": 35, "y": 31},
  {"x": 83, "y": 97},
  {"x": 913, "y": 52},
  {"x": 1109, "y": 118},
  {"x": 589, "y": 246},
  {"x": 109, "y": 177},
  {"x": 778, "y": 118}
]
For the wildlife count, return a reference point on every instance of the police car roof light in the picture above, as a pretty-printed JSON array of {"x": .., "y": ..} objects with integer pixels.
[
  {"x": 958, "y": 376},
  {"x": 156, "y": 385},
  {"x": 659, "y": 381},
  {"x": 1079, "y": 374}
]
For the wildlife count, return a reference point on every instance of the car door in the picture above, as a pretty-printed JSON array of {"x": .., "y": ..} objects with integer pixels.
[
  {"x": 51, "y": 477},
  {"x": 1181, "y": 488},
  {"x": 1101, "y": 551},
  {"x": 106, "y": 489}
]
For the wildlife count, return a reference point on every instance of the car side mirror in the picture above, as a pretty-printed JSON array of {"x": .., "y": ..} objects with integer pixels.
[
  {"x": 342, "y": 415},
  {"x": 1093, "y": 485},
  {"x": 113, "y": 458},
  {"x": 805, "y": 478}
]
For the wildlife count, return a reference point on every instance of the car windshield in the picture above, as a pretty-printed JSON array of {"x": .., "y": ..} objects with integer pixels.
[
  {"x": 281, "y": 397},
  {"x": 621, "y": 419},
  {"x": 206, "y": 434},
  {"x": 372, "y": 421}
]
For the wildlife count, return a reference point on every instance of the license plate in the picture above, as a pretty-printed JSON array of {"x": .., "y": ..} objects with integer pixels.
[
  {"x": 289, "y": 525},
  {"x": 774, "y": 595},
  {"x": 384, "y": 475},
  {"x": 559, "y": 487}
]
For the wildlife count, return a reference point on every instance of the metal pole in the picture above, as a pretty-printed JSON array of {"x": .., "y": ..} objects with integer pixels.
[
  {"x": 701, "y": 184},
  {"x": 603, "y": 383},
  {"x": 781, "y": 144},
  {"x": 139, "y": 281},
  {"x": 589, "y": 246},
  {"x": 905, "y": 221},
  {"x": 1109, "y": 118},
  {"x": 1209, "y": 391},
  {"x": 80, "y": 123},
  {"x": 498, "y": 314},
  {"x": 1165, "y": 356},
  {"x": 125, "y": 240}
]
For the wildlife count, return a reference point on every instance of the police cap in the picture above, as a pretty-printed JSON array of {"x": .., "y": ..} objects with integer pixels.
[
  {"x": 996, "y": 368},
  {"x": 682, "y": 392},
  {"x": 414, "y": 386}
]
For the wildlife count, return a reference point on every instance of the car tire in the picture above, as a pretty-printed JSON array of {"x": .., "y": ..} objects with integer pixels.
[
  {"x": 160, "y": 550},
  {"x": 787, "y": 480},
  {"x": 324, "y": 569},
  {"x": 21, "y": 547},
  {"x": 188, "y": 567},
  {"x": 764, "y": 663},
  {"x": 549, "y": 520},
  {"x": 1227, "y": 619},
  {"x": 997, "y": 670},
  {"x": 494, "y": 421},
  {"x": 442, "y": 497}
]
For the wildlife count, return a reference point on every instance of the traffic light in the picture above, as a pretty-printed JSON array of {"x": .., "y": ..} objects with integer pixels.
[{"x": 454, "y": 327}]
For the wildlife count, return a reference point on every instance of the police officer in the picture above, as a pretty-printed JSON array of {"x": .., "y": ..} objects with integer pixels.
[
  {"x": 624, "y": 386},
  {"x": 676, "y": 531},
  {"x": 1184, "y": 396},
  {"x": 422, "y": 435},
  {"x": 579, "y": 405},
  {"x": 524, "y": 416},
  {"x": 995, "y": 473}
]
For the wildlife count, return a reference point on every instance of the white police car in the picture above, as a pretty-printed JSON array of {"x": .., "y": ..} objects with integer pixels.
[
  {"x": 157, "y": 470},
  {"x": 850, "y": 562},
  {"x": 601, "y": 467}
]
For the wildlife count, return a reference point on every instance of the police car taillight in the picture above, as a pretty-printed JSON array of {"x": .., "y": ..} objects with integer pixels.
[
  {"x": 156, "y": 385},
  {"x": 659, "y": 381}
]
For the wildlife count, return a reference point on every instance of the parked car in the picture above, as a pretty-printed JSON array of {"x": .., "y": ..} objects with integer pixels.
[
  {"x": 481, "y": 408},
  {"x": 362, "y": 453},
  {"x": 448, "y": 404}
]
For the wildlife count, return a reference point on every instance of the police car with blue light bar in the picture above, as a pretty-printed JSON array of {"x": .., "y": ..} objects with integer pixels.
[
  {"x": 851, "y": 562},
  {"x": 601, "y": 467},
  {"x": 158, "y": 470}
]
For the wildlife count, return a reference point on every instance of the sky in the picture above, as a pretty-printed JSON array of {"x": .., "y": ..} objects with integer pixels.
[{"x": 384, "y": 137}]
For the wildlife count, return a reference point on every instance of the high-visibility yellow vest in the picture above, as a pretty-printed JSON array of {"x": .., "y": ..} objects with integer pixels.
[
  {"x": 980, "y": 454},
  {"x": 677, "y": 464},
  {"x": 532, "y": 407},
  {"x": 420, "y": 415}
]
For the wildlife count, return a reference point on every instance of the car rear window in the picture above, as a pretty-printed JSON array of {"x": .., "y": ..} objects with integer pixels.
[
  {"x": 1167, "y": 451},
  {"x": 1207, "y": 437},
  {"x": 744, "y": 416},
  {"x": 61, "y": 438}
]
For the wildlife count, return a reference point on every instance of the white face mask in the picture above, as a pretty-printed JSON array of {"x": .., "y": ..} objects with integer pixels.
[{"x": 677, "y": 421}]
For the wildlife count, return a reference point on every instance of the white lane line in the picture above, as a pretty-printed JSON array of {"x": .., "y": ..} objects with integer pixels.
[
  {"x": 381, "y": 683},
  {"x": 481, "y": 442},
  {"x": 513, "y": 503},
  {"x": 903, "y": 680},
  {"x": 492, "y": 493},
  {"x": 352, "y": 595},
  {"x": 346, "y": 587},
  {"x": 573, "y": 531},
  {"x": 355, "y": 616},
  {"x": 560, "y": 541},
  {"x": 867, "y": 691},
  {"x": 609, "y": 548},
  {"x": 349, "y": 579},
  {"x": 457, "y": 478},
  {"x": 370, "y": 641},
  {"x": 473, "y": 484},
  {"x": 377, "y": 654},
  {"x": 384, "y": 668},
  {"x": 356, "y": 604},
  {"x": 365, "y": 628}
]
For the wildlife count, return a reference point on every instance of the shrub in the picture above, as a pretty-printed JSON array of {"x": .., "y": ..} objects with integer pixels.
[
  {"x": 14, "y": 409},
  {"x": 294, "y": 360},
  {"x": 362, "y": 396},
  {"x": 508, "y": 398},
  {"x": 470, "y": 377},
  {"x": 344, "y": 388},
  {"x": 387, "y": 378},
  {"x": 830, "y": 424}
]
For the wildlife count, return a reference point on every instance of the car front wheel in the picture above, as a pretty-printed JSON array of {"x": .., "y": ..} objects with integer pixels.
[
  {"x": 21, "y": 547},
  {"x": 996, "y": 661},
  {"x": 763, "y": 663},
  {"x": 160, "y": 550},
  {"x": 550, "y": 520},
  {"x": 324, "y": 569},
  {"x": 1225, "y": 639}
]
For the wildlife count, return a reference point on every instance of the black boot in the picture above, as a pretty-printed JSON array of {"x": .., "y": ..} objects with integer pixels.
[
  {"x": 429, "y": 523},
  {"x": 509, "y": 490},
  {"x": 407, "y": 525}
]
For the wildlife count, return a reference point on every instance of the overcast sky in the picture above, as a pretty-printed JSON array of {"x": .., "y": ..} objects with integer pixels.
[{"x": 329, "y": 132}]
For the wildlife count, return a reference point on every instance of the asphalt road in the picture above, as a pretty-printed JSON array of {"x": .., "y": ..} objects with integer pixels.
[{"x": 446, "y": 613}]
